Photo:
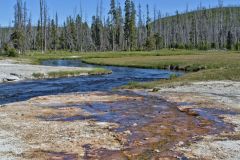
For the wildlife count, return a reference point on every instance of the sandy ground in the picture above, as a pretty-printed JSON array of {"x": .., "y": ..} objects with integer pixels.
[
  {"x": 221, "y": 95},
  {"x": 10, "y": 71}
]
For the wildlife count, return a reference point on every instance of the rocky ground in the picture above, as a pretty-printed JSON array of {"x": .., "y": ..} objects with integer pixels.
[
  {"x": 197, "y": 121},
  {"x": 225, "y": 92},
  {"x": 11, "y": 71},
  {"x": 26, "y": 134},
  {"x": 224, "y": 98},
  {"x": 97, "y": 125}
]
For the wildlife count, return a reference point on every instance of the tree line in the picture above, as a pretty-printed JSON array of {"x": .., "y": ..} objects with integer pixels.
[{"x": 126, "y": 29}]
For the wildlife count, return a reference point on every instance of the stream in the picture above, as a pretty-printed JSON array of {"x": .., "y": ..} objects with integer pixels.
[{"x": 21, "y": 91}]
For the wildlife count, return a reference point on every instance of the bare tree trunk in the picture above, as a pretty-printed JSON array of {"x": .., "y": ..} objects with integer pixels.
[
  {"x": 45, "y": 27},
  {"x": 41, "y": 23}
]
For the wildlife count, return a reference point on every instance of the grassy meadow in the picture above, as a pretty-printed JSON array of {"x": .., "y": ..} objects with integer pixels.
[{"x": 198, "y": 65}]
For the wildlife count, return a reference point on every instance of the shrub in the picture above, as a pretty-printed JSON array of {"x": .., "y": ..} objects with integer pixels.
[
  {"x": 150, "y": 44},
  {"x": 8, "y": 50},
  {"x": 237, "y": 46},
  {"x": 6, "y": 47},
  {"x": 12, "y": 53},
  {"x": 38, "y": 75},
  {"x": 213, "y": 45},
  {"x": 173, "y": 76}
]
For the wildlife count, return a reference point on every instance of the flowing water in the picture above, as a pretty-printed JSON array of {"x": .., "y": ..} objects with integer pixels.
[
  {"x": 13, "y": 92},
  {"x": 148, "y": 127}
]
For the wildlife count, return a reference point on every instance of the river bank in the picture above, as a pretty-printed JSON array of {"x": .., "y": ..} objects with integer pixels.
[
  {"x": 221, "y": 97},
  {"x": 11, "y": 70}
]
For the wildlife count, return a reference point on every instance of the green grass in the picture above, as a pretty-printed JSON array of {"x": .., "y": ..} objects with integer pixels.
[
  {"x": 179, "y": 62},
  {"x": 38, "y": 75},
  {"x": 37, "y": 57},
  {"x": 204, "y": 75},
  {"x": 58, "y": 74},
  {"x": 97, "y": 71}
]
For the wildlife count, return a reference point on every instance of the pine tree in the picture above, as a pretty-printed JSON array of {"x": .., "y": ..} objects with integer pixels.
[
  {"x": 29, "y": 37},
  {"x": 140, "y": 28},
  {"x": 17, "y": 38},
  {"x": 150, "y": 41},
  {"x": 96, "y": 32},
  {"x": 127, "y": 23},
  {"x": 133, "y": 36},
  {"x": 63, "y": 38},
  {"x": 54, "y": 36},
  {"x": 71, "y": 34},
  {"x": 113, "y": 14},
  {"x": 18, "y": 35},
  {"x": 192, "y": 37},
  {"x": 39, "y": 36},
  {"x": 57, "y": 34},
  {"x": 119, "y": 28},
  {"x": 148, "y": 23},
  {"x": 41, "y": 24},
  {"x": 79, "y": 32},
  {"x": 229, "y": 40}
]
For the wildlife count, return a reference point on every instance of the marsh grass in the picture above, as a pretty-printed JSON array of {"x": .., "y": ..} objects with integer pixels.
[
  {"x": 189, "y": 63},
  {"x": 73, "y": 73},
  {"x": 37, "y": 57},
  {"x": 96, "y": 71},
  {"x": 38, "y": 75}
]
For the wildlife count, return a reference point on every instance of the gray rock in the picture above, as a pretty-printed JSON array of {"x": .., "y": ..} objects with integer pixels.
[{"x": 12, "y": 78}]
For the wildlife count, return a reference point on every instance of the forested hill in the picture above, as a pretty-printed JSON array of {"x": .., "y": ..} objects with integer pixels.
[
  {"x": 124, "y": 29},
  {"x": 217, "y": 28}
]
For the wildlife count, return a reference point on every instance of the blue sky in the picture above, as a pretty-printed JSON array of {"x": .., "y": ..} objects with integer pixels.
[{"x": 69, "y": 7}]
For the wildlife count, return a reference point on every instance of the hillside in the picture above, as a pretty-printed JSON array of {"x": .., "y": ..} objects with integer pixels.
[{"x": 216, "y": 28}]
